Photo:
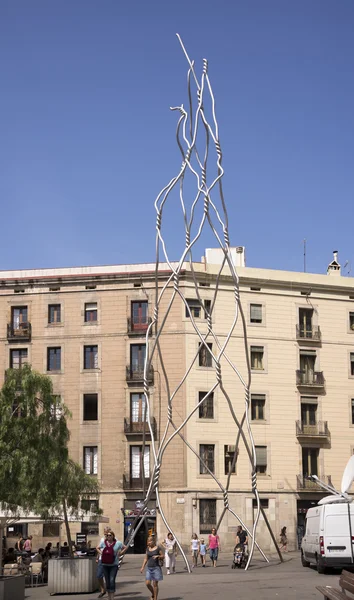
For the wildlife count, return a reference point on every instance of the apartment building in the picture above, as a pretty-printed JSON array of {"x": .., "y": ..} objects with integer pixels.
[{"x": 86, "y": 328}]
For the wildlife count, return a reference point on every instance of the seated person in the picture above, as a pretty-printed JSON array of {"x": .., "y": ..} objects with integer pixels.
[
  {"x": 39, "y": 556},
  {"x": 10, "y": 556},
  {"x": 238, "y": 553}
]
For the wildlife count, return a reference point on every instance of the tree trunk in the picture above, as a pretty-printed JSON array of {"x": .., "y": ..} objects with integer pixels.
[{"x": 68, "y": 534}]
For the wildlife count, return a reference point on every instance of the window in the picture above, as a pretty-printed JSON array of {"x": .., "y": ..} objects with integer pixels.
[
  {"x": 89, "y": 527},
  {"x": 89, "y": 505},
  {"x": 90, "y": 407},
  {"x": 207, "y": 515},
  {"x": 139, "y": 462},
  {"x": 308, "y": 366},
  {"x": 90, "y": 357},
  {"x": 54, "y": 359},
  {"x": 229, "y": 453},
  {"x": 351, "y": 321},
  {"x": 305, "y": 322},
  {"x": 256, "y": 313},
  {"x": 264, "y": 502},
  {"x": 139, "y": 315},
  {"x": 137, "y": 408},
  {"x": 352, "y": 363},
  {"x": 206, "y": 410},
  {"x": 310, "y": 461},
  {"x": 18, "y": 358},
  {"x": 258, "y": 407},
  {"x": 90, "y": 312},
  {"x": 205, "y": 356},
  {"x": 257, "y": 358},
  {"x": 308, "y": 414},
  {"x": 352, "y": 407},
  {"x": 19, "y": 317},
  {"x": 56, "y": 407},
  {"x": 261, "y": 459},
  {"x": 197, "y": 309},
  {"x": 51, "y": 529},
  {"x": 19, "y": 410},
  {"x": 90, "y": 460},
  {"x": 137, "y": 357},
  {"x": 206, "y": 453},
  {"x": 54, "y": 313}
]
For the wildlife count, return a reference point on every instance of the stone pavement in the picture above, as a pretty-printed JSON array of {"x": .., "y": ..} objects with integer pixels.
[{"x": 274, "y": 581}]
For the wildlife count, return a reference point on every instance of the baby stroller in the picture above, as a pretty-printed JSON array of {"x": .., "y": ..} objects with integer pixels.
[{"x": 240, "y": 557}]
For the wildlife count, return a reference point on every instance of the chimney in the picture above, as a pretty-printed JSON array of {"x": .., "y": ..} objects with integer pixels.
[{"x": 334, "y": 267}]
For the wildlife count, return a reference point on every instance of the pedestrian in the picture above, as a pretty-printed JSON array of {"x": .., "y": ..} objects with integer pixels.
[
  {"x": 195, "y": 549},
  {"x": 241, "y": 538},
  {"x": 202, "y": 552},
  {"x": 28, "y": 545},
  {"x": 152, "y": 561},
  {"x": 99, "y": 572},
  {"x": 170, "y": 546},
  {"x": 110, "y": 550},
  {"x": 283, "y": 540},
  {"x": 19, "y": 543},
  {"x": 214, "y": 546}
]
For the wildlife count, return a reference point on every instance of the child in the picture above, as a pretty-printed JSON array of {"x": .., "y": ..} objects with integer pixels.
[
  {"x": 202, "y": 552},
  {"x": 195, "y": 549},
  {"x": 238, "y": 553}
]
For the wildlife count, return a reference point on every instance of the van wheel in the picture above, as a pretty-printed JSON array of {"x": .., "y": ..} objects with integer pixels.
[
  {"x": 303, "y": 561},
  {"x": 320, "y": 568}
]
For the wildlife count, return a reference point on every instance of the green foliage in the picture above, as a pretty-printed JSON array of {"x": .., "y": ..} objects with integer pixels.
[{"x": 35, "y": 470}]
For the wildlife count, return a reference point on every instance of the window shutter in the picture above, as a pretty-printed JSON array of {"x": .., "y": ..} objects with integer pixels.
[
  {"x": 95, "y": 357},
  {"x": 87, "y": 461},
  {"x": 146, "y": 461},
  {"x": 261, "y": 456},
  {"x": 135, "y": 461},
  {"x": 91, "y": 306},
  {"x": 256, "y": 312},
  {"x": 95, "y": 461}
]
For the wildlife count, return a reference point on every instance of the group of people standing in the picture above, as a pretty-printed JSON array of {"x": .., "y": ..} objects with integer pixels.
[{"x": 200, "y": 548}]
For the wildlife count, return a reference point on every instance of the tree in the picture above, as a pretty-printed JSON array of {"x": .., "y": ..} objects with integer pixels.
[{"x": 36, "y": 472}]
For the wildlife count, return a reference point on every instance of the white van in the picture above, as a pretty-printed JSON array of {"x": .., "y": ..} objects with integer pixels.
[{"x": 328, "y": 539}]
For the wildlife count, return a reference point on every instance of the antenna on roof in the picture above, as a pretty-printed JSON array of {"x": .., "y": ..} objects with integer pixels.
[{"x": 304, "y": 255}]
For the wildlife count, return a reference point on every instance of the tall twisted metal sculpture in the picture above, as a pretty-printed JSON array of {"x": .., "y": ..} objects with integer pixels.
[{"x": 214, "y": 216}]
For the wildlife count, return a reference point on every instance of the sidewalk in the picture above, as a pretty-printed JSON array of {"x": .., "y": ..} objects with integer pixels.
[{"x": 262, "y": 581}]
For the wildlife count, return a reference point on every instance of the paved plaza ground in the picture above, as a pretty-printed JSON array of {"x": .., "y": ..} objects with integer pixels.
[{"x": 287, "y": 581}]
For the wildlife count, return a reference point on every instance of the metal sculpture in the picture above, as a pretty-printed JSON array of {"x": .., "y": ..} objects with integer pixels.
[{"x": 214, "y": 216}]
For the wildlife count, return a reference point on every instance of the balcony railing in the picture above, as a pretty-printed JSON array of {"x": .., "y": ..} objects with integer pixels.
[
  {"x": 135, "y": 483},
  {"x": 138, "y": 427},
  {"x": 138, "y": 327},
  {"x": 320, "y": 429},
  {"x": 305, "y": 484},
  {"x": 313, "y": 334},
  {"x": 310, "y": 378},
  {"x": 20, "y": 332},
  {"x": 137, "y": 375}
]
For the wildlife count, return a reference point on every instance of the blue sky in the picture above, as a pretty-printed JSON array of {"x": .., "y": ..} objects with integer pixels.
[{"x": 88, "y": 140}]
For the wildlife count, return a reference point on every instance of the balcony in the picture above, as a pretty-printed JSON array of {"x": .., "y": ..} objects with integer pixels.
[
  {"x": 135, "y": 483},
  {"x": 137, "y": 375},
  {"x": 319, "y": 430},
  {"x": 138, "y": 328},
  {"x": 304, "y": 484},
  {"x": 311, "y": 379},
  {"x": 311, "y": 335},
  {"x": 138, "y": 427},
  {"x": 19, "y": 333}
]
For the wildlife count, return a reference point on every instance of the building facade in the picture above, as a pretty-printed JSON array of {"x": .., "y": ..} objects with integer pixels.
[{"x": 86, "y": 328}]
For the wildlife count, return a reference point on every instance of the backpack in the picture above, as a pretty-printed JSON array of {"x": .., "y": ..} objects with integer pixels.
[{"x": 108, "y": 555}]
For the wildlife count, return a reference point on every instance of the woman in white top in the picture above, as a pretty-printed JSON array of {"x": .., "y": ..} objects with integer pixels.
[
  {"x": 195, "y": 549},
  {"x": 170, "y": 553}
]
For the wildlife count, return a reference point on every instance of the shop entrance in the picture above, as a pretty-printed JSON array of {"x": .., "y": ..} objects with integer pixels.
[{"x": 147, "y": 527}]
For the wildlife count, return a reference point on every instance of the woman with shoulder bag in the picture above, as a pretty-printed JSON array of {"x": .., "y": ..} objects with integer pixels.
[
  {"x": 153, "y": 560},
  {"x": 170, "y": 546},
  {"x": 110, "y": 550}
]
